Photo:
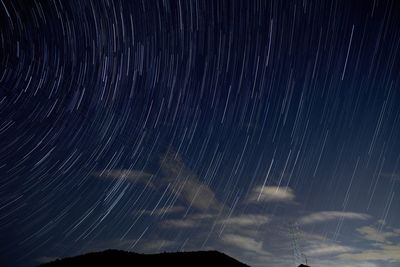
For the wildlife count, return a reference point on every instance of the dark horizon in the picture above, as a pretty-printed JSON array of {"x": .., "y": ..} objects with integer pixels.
[{"x": 124, "y": 258}]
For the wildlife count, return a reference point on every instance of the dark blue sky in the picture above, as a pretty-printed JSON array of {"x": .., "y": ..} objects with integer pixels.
[{"x": 241, "y": 126}]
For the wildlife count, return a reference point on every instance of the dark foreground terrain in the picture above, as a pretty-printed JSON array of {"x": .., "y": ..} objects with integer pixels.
[{"x": 117, "y": 258}]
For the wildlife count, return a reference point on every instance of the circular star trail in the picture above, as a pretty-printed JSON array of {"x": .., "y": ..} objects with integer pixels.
[{"x": 239, "y": 126}]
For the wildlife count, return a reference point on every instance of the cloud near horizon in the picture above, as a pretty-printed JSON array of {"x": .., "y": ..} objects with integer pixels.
[
  {"x": 383, "y": 249},
  {"x": 372, "y": 234},
  {"x": 323, "y": 216},
  {"x": 244, "y": 242},
  {"x": 246, "y": 220},
  {"x": 390, "y": 253},
  {"x": 324, "y": 248}
]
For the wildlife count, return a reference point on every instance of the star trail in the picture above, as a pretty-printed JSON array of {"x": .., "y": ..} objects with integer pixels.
[{"x": 268, "y": 130}]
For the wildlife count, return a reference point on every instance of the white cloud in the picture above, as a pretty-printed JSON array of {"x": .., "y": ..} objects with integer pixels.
[
  {"x": 185, "y": 183},
  {"x": 176, "y": 223},
  {"x": 243, "y": 242},
  {"x": 324, "y": 216},
  {"x": 389, "y": 253},
  {"x": 382, "y": 250},
  {"x": 322, "y": 249},
  {"x": 246, "y": 220},
  {"x": 246, "y": 224},
  {"x": 181, "y": 181},
  {"x": 196, "y": 194},
  {"x": 342, "y": 263},
  {"x": 190, "y": 221},
  {"x": 371, "y": 233},
  {"x": 271, "y": 194}
]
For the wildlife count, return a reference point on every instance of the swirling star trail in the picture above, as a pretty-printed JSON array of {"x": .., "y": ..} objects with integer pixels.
[{"x": 237, "y": 126}]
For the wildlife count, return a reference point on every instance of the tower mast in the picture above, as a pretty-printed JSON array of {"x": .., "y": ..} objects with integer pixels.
[{"x": 299, "y": 257}]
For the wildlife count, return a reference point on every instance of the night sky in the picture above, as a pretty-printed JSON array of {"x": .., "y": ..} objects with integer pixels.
[{"x": 268, "y": 130}]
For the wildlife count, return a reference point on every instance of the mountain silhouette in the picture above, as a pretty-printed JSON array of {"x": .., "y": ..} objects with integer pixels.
[{"x": 116, "y": 258}]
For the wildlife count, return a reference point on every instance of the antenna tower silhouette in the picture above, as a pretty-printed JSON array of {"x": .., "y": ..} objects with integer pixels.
[{"x": 299, "y": 257}]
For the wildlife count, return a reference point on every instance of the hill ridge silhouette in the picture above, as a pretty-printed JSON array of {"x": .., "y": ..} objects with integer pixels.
[{"x": 114, "y": 257}]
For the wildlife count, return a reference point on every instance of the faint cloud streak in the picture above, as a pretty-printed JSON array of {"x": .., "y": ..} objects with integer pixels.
[{"x": 324, "y": 216}]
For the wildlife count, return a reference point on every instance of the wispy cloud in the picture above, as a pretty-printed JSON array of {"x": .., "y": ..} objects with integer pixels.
[
  {"x": 324, "y": 216},
  {"x": 191, "y": 221},
  {"x": 196, "y": 194},
  {"x": 125, "y": 174},
  {"x": 181, "y": 181},
  {"x": 246, "y": 224},
  {"x": 244, "y": 242},
  {"x": 316, "y": 246},
  {"x": 158, "y": 245},
  {"x": 180, "y": 223},
  {"x": 271, "y": 194},
  {"x": 246, "y": 220},
  {"x": 186, "y": 184},
  {"x": 322, "y": 249},
  {"x": 46, "y": 259},
  {"x": 390, "y": 253},
  {"x": 342, "y": 263},
  {"x": 371, "y": 233}
]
